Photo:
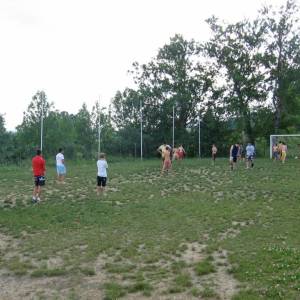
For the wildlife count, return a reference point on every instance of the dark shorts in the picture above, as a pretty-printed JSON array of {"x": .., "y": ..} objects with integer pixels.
[
  {"x": 249, "y": 157},
  {"x": 234, "y": 159},
  {"x": 101, "y": 181},
  {"x": 39, "y": 180},
  {"x": 214, "y": 156}
]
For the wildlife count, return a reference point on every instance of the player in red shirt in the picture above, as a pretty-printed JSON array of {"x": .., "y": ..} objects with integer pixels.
[{"x": 38, "y": 169}]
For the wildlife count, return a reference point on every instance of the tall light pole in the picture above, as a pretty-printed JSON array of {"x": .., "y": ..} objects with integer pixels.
[
  {"x": 41, "y": 96},
  {"x": 173, "y": 129},
  {"x": 199, "y": 136},
  {"x": 99, "y": 127},
  {"x": 141, "y": 120}
]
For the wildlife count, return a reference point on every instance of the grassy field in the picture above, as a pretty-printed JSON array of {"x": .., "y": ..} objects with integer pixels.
[{"x": 202, "y": 232}]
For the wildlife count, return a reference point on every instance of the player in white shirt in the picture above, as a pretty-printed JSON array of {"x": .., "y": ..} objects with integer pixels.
[
  {"x": 60, "y": 165},
  {"x": 102, "y": 167},
  {"x": 250, "y": 151}
]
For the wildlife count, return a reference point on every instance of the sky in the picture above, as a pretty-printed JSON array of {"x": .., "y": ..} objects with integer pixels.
[{"x": 81, "y": 50}]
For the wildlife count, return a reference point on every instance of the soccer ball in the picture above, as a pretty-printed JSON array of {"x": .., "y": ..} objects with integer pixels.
[{"x": 296, "y": 157}]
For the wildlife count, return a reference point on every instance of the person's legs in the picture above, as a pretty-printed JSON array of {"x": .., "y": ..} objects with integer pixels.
[
  {"x": 98, "y": 185},
  {"x": 247, "y": 162},
  {"x": 34, "y": 193},
  {"x": 234, "y": 160},
  {"x": 101, "y": 183},
  {"x": 35, "y": 189},
  {"x": 38, "y": 193},
  {"x": 283, "y": 157}
]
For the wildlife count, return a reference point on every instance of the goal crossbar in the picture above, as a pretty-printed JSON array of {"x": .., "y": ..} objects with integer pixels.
[{"x": 279, "y": 135}]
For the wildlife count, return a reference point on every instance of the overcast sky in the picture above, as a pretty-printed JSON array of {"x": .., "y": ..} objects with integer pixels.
[{"x": 78, "y": 50}]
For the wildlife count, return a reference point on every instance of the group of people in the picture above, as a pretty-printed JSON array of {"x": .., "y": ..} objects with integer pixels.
[
  {"x": 236, "y": 153},
  {"x": 168, "y": 155},
  {"x": 39, "y": 172},
  {"x": 279, "y": 151}
]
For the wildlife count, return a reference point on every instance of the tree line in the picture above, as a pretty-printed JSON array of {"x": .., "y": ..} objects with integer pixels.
[{"x": 243, "y": 84}]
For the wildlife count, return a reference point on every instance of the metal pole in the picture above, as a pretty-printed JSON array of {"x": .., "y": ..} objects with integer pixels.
[
  {"x": 141, "y": 115},
  {"x": 199, "y": 136},
  {"x": 271, "y": 146},
  {"x": 42, "y": 119},
  {"x": 173, "y": 130},
  {"x": 99, "y": 127}
]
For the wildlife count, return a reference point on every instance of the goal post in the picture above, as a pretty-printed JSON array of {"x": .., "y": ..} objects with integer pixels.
[{"x": 292, "y": 141}]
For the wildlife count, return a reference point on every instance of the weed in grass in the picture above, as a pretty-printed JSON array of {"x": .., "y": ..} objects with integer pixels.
[
  {"x": 195, "y": 292},
  {"x": 208, "y": 292},
  {"x": 183, "y": 280},
  {"x": 17, "y": 266},
  {"x": 177, "y": 266},
  {"x": 119, "y": 268},
  {"x": 141, "y": 286},
  {"x": 204, "y": 267},
  {"x": 114, "y": 291}
]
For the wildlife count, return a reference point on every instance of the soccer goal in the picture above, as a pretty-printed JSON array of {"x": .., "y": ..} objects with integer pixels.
[{"x": 291, "y": 140}]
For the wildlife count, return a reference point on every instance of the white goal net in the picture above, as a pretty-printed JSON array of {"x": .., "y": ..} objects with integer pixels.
[{"x": 291, "y": 140}]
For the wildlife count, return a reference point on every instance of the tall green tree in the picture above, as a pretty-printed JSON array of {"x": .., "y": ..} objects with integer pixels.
[
  {"x": 282, "y": 58},
  {"x": 85, "y": 138},
  {"x": 235, "y": 50},
  {"x": 174, "y": 78},
  {"x": 28, "y": 133}
]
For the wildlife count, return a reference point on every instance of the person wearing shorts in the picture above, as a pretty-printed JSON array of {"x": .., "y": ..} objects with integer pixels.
[
  {"x": 60, "y": 166},
  {"x": 275, "y": 152},
  {"x": 214, "y": 151},
  {"x": 39, "y": 170},
  {"x": 102, "y": 167},
  {"x": 283, "y": 152},
  {"x": 250, "y": 150},
  {"x": 234, "y": 150},
  {"x": 167, "y": 164}
]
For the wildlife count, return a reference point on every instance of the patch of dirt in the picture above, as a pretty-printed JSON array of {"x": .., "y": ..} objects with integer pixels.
[
  {"x": 226, "y": 284},
  {"x": 193, "y": 253}
]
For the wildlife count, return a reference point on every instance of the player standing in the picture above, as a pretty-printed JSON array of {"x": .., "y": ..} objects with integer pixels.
[{"x": 39, "y": 170}]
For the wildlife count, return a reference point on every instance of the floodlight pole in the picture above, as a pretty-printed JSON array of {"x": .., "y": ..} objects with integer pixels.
[
  {"x": 42, "y": 119},
  {"x": 271, "y": 146},
  {"x": 141, "y": 120},
  {"x": 173, "y": 129},
  {"x": 199, "y": 136},
  {"x": 99, "y": 127}
]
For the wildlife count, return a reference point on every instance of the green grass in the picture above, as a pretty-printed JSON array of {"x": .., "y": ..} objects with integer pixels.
[
  {"x": 137, "y": 235},
  {"x": 204, "y": 267}
]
